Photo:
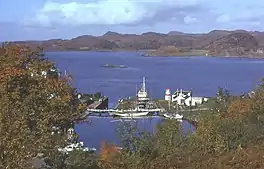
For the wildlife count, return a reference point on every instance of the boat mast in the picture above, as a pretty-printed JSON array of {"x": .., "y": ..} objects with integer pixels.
[
  {"x": 144, "y": 85},
  {"x": 136, "y": 101},
  {"x": 136, "y": 91},
  {"x": 177, "y": 104}
]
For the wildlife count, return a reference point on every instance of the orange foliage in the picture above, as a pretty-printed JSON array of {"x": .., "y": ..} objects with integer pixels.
[
  {"x": 108, "y": 152},
  {"x": 240, "y": 107},
  {"x": 10, "y": 72},
  {"x": 243, "y": 158}
]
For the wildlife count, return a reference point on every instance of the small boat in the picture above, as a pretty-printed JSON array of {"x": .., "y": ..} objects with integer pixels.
[
  {"x": 178, "y": 116},
  {"x": 113, "y": 66},
  {"x": 76, "y": 146},
  {"x": 173, "y": 116},
  {"x": 167, "y": 115}
]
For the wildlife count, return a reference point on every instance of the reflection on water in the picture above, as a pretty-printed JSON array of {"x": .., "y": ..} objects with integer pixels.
[{"x": 101, "y": 129}]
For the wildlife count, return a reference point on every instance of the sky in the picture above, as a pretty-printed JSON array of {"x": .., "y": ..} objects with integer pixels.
[{"x": 64, "y": 19}]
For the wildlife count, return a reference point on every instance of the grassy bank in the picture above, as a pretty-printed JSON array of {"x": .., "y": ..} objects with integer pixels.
[{"x": 176, "y": 53}]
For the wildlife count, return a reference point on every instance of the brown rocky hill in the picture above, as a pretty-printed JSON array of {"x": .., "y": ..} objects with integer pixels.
[
  {"x": 206, "y": 39},
  {"x": 213, "y": 40},
  {"x": 259, "y": 37},
  {"x": 234, "y": 44}
]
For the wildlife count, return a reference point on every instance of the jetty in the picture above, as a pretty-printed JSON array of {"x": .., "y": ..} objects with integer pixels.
[
  {"x": 139, "y": 106},
  {"x": 178, "y": 105}
]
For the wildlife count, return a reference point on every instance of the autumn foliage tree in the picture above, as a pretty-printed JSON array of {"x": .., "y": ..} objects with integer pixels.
[
  {"x": 31, "y": 103},
  {"x": 239, "y": 107},
  {"x": 232, "y": 137},
  {"x": 108, "y": 152}
]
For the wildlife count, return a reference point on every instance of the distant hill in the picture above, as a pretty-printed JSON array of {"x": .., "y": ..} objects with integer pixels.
[
  {"x": 234, "y": 44},
  {"x": 171, "y": 33},
  {"x": 216, "y": 42},
  {"x": 110, "y": 33}
]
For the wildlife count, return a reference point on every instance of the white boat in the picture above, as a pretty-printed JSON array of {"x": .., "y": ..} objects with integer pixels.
[
  {"x": 178, "y": 116},
  {"x": 173, "y": 116},
  {"x": 179, "y": 120},
  {"x": 167, "y": 115},
  {"x": 142, "y": 94},
  {"x": 76, "y": 146},
  {"x": 129, "y": 114}
]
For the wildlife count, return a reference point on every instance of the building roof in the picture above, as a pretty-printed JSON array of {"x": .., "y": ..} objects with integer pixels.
[{"x": 183, "y": 92}]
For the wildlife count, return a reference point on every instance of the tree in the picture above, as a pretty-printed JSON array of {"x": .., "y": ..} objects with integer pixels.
[
  {"x": 223, "y": 97},
  {"x": 239, "y": 107},
  {"x": 32, "y": 105},
  {"x": 222, "y": 140},
  {"x": 97, "y": 95},
  {"x": 81, "y": 160},
  {"x": 108, "y": 154}
]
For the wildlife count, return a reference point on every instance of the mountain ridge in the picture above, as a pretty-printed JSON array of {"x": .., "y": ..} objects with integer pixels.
[{"x": 154, "y": 41}]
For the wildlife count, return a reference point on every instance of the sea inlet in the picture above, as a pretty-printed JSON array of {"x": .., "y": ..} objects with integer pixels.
[{"x": 201, "y": 74}]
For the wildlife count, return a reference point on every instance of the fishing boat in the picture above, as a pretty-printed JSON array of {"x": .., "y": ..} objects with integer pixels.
[{"x": 141, "y": 100}]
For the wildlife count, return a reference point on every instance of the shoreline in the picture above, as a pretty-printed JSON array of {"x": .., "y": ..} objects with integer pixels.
[
  {"x": 144, "y": 54},
  {"x": 211, "y": 56}
]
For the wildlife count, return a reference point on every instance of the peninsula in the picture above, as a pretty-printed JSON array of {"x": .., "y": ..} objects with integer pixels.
[{"x": 215, "y": 43}]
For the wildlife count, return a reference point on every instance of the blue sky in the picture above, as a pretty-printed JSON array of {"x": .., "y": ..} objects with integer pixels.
[{"x": 49, "y": 19}]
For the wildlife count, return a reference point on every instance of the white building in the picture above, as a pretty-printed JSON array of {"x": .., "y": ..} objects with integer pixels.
[
  {"x": 193, "y": 101},
  {"x": 185, "y": 98},
  {"x": 180, "y": 96}
]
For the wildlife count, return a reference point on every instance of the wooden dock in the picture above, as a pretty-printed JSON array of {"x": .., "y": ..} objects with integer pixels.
[{"x": 100, "y": 104}]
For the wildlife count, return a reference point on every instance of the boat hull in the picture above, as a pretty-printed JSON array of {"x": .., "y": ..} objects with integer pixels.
[
  {"x": 132, "y": 114},
  {"x": 176, "y": 116}
]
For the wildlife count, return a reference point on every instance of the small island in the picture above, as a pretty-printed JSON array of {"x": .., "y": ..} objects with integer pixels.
[{"x": 113, "y": 66}]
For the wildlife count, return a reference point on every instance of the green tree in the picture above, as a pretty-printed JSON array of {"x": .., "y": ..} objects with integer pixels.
[
  {"x": 97, "y": 95},
  {"x": 223, "y": 97},
  {"x": 81, "y": 160}
]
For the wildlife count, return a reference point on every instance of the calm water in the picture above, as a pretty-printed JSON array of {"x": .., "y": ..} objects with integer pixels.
[{"x": 201, "y": 74}]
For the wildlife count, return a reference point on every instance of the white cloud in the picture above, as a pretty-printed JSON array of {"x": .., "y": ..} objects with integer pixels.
[
  {"x": 70, "y": 18},
  {"x": 106, "y": 11},
  {"x": 190, "y": 20}
]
